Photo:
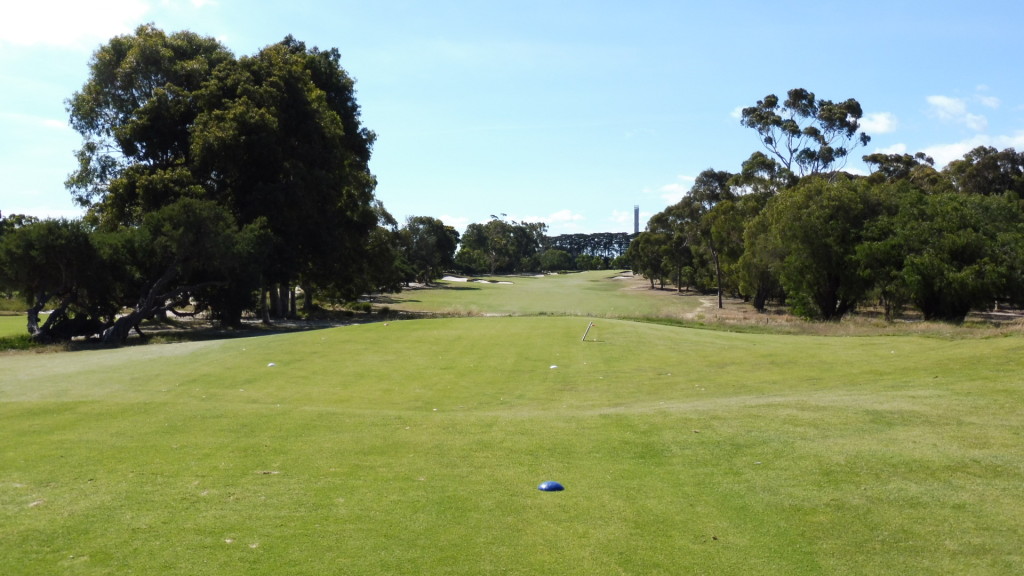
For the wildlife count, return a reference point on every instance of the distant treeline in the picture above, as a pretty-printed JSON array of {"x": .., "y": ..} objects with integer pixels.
[
  {"x": 606, "y": 245},
  {"x": 509, "y": 247}
]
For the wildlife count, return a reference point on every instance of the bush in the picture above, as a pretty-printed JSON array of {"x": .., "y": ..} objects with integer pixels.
[
  {"x": 360, "y": 307},
  {"x": 19, "y": 342}
]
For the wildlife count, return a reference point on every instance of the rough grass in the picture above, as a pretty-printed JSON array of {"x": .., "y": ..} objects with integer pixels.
[{"x": 416, "y": 447}]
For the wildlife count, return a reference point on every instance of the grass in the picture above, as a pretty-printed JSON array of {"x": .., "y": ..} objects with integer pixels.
[
  {"x": 12, "y": 325},
  {"x": 13, "y": 334},
  {"x": 416, "y": 446},
  {"x": 597, "y": 294}
]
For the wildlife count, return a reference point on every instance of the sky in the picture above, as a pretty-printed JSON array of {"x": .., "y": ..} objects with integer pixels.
[{"x": 566, "y": 112}]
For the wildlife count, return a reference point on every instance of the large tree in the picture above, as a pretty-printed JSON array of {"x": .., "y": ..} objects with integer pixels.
[
  {"x": 808, "y": 236},
  {"x": 501, "y": 246},
  {"x": 54, "y": 262},
  {"x": 946, "y": 253},
  {"x": 989, "y": 172},
  {"x": 646, "y": 255},
  {"x": 691, "y": 242},
  {"x": 807, "y": 135},
  {"x": 274, "y": 139},
  {"x": 429, "y": 247},
  {"x": 180, "y": 255},
  {"x": 136, "y": 113},
  {"x": 280, "y": 139}
]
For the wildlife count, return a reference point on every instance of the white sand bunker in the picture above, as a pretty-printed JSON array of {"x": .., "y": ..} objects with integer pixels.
[{"x": 477, "y": 280}]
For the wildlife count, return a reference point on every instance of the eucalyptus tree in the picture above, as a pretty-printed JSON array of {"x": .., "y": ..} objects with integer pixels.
[
  {"x": 987, "y": 171},
  {"x": 646, "y": 255},
  {"x": 674, "y": 241},
  {"x": 691, "y": 243},
  {"x": 807, "y": 135}
]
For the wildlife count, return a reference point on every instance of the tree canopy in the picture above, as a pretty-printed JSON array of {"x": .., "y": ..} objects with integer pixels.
[
  {"x": 208, "y": 178},
  {"x": 806, "y": 134},
  {"x": 790, "y": 227}
]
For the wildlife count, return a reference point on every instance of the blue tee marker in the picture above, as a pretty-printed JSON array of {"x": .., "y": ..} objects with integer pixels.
[{"x": 550, "y": 486}]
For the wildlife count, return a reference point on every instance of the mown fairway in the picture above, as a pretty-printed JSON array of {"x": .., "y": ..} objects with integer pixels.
[
  {"x": 416, "y": 447},
  {"x": 602, "y": 294}
]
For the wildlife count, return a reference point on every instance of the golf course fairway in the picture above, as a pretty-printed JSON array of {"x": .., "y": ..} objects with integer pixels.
[{"x": 417, "y": 446}]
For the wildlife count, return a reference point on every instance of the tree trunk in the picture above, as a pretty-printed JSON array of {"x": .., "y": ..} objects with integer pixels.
[
  {"x": 49, "y": 331},
  {"x": 718, "y": 276},
  {"x": 33, "y": 314},
  {"x": 761, "y": 298},
  {"x": 307, "y": 299},
  {"x": 118, "y": 332},
  {"x": 265, "y": 304},
  {"x": 282, "y": 300}
]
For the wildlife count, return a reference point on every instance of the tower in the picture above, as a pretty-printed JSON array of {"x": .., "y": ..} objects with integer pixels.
[{"x": 636, "y": 219}]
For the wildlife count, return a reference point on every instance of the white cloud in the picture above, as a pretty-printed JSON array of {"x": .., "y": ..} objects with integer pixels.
[
  {"x": 894, "y": 149},
  {"x": 989, "y": 101},
  {"x": 879, "y": 123},
  {"x": 75, "y": 24},
  {"x": 946, "y": 153},
  {"x": 947, "y": 108},
  {"x": 69, "y": 23},
  {"x": 955, "y": 110},
  {"x": 737, "y": 112},
  {"x": 458, "y": 222},
  {"x": 671, "y": 193},
  {"x": 976, "y": 122},
  {"x": 563, "y": 216}
]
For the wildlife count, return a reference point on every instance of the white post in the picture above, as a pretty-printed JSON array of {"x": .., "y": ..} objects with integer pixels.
[{"x": 589, "y": 326}]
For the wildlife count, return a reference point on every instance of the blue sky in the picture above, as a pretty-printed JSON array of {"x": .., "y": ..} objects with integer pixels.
[{"x": 562, "y": 111}]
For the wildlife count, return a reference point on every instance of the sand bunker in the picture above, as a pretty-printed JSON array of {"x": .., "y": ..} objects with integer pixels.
[{"x": 478, "y": 281}]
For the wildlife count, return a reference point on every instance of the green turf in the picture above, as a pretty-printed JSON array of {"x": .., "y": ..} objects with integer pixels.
[
  {"x": 599, "y": 294},
  {"x": 12, "y": 325},
  {"x": 416, "y": 448}
]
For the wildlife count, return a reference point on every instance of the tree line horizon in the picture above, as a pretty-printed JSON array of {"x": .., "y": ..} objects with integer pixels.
[
  {"x": 231, "y": 185},
  {"x": 791, "y": 227}
]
